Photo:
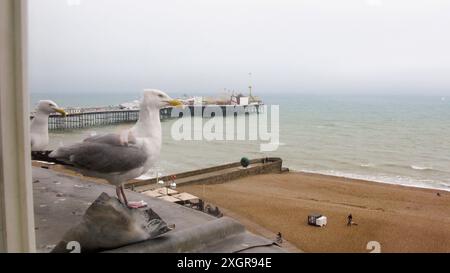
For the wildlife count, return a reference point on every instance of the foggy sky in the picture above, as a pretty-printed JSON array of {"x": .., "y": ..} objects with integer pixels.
[{"x": 204, "y": 46}]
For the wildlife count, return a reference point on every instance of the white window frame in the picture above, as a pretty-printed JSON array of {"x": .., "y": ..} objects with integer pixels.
[{"x": 17, "y": 232}]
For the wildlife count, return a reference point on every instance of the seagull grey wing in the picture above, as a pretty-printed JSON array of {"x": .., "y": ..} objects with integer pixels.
[
  {"x": 106, "y": 158},
  {"x": 112, "y": 139}
]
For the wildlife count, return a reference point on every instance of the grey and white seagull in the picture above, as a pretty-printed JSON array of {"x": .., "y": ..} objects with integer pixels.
[
  {"x": 39, "y": 124},
  {"x": 118, "y": 158}
]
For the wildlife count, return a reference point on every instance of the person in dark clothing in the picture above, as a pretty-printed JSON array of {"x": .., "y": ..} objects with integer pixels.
[
  {"x": 279, "y": 238},
  {"x": 201, "y": 205},
  {"x": 349, "y": 220}
]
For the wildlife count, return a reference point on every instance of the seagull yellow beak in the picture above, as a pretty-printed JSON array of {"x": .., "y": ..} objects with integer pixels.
[
  {"x": 175, "y": 103},
  {"x": 61, "y": 111}
]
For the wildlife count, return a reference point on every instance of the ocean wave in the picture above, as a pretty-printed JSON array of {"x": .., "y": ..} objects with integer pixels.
[
  {"x": 367, "y": 165},
  {"x": 386, "y": 179},
  {"x": 326, "y": 125},
  {"x": 149, "y": 175},
  {"x": 412, "y": 167},
  {"x": 420, "y": 168}
]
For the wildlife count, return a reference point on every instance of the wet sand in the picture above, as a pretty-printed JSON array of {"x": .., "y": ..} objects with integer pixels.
[{"x": 401, "y": 219}]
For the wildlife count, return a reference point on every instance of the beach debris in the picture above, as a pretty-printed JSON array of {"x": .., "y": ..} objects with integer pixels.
[
  {"x": 137, "y": 204},
  {"x": 317, "y": 219},
  {"x": 45, "y": 162},
  {"x": 213, "y": 211},
  {"x": 108, "y": 224},
  {"x": 49, "y": 246},
  {"x": 77, "y": 212}
]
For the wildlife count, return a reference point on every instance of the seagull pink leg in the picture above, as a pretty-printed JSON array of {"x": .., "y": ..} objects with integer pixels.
[
  {"x": 118, "y": 194},
  {"x": 132, "y": 205},
  {"x": 123, "y": 195}
]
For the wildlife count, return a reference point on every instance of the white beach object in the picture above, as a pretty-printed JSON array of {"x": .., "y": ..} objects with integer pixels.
[
  {"x": 316, "y": 219},
  {"x": 321, "y": 221},
  {"x": 137, "y": 204}
]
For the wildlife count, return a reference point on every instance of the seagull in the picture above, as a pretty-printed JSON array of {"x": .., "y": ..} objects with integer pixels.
[
  {"x": 119, "y": 157},
  {"x": 39, "y": 124}
]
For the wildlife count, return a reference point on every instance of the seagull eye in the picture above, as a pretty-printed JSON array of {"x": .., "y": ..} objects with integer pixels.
[{"x": 160, "y": 95}]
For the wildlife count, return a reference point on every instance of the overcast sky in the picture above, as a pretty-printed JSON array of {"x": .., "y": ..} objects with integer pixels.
[{"x": 204, "y": 46}]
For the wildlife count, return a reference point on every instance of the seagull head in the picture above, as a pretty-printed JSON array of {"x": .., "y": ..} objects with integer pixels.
[
  {"x": 48, "y": 107},
  {"x": 154, "y": 98}
]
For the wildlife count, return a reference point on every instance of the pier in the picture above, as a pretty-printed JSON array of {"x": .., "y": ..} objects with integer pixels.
[{"x": 78, "y": 118}]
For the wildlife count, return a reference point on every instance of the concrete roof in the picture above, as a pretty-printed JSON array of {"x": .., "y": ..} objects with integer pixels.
[
  {"x": 165, "y": 191},
  {"x": 169, "y": 198},
  {"x": 151, "y": 193},
  {"x": 184, "y": 196},
  {"x": 60, "y": 202}
]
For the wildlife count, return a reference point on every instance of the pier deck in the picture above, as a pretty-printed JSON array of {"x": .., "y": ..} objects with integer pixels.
[{"x": 89, "y": 117}]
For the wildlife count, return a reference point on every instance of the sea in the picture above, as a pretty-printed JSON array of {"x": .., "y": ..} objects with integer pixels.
[{"x": 397, "y": 139}]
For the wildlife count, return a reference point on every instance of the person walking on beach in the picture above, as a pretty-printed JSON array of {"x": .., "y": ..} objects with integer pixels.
[
  {"x": 279, "y": 239},
  {"x": 349, "y": 220}
]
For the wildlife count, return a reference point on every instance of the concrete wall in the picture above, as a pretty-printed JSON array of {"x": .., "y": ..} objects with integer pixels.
[
  {"x": 273, "y": 165},
  {"x": 270, "y": 167}
]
